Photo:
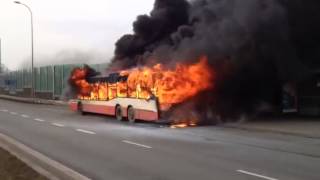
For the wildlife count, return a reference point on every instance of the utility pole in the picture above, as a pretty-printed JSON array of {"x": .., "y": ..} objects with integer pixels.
[
  {"x": 32, "y": 65},
  {"x": 0, "y": 57}
]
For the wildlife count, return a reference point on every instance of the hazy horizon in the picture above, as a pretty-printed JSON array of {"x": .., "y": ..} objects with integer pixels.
[{"x": 83, "y": 27}]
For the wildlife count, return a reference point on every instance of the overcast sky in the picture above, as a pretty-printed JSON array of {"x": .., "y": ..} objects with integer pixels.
[{"x": 65, "y": 25}]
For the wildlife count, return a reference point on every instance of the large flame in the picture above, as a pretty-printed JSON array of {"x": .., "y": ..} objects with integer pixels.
[{"x": 170, "y": 86}]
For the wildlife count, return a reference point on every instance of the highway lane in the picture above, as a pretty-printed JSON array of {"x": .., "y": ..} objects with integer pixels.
[{"x": 102, "y": 148}]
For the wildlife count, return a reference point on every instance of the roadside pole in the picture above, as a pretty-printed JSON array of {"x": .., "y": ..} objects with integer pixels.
[{"x": 0, "y": 57}]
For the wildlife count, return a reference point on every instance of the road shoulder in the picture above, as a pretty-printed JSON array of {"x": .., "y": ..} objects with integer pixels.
[
  {"x": 297, "y": 127},
  {"x": 33, "y": 100},
  {"x": 43, "y": 165}
]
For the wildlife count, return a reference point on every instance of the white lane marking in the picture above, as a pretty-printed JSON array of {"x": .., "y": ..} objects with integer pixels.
[
  {"x": 25, "y": 116},
  {"x": 137, "y": 144},
  {"x": 13, "y": 113},
  {"x": 4, "y": 110},
  {"x": 39, "y": 120},
  {"x": 85, "y": 131},
  {"x": 256, "y": 175},
  {"x": 57, "y": 124}
]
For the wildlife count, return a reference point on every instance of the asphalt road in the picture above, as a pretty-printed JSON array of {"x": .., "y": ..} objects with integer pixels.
[{"x": 101, "y": 148}]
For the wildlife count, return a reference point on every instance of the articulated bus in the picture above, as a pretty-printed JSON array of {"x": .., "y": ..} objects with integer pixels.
[{"x": 109, "y": 100}]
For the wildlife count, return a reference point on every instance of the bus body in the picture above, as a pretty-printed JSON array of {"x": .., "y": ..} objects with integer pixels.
[
  {"x": 142, "y": 109},
  {"x": 120, "y": 106}
]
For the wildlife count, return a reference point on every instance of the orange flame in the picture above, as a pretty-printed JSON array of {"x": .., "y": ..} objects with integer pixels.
[
  {"x": 78, "y": 79},
  {"x": 170, "y": 86},
  {"x": 183, "y": 125}
]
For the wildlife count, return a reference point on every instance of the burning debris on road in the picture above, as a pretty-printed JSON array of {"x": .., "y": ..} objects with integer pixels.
[{"x": 247, "y": 51}]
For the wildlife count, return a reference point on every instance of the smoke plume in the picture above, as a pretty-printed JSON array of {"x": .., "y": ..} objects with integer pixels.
[
  {"x": 254, "y": 46},
  {"x": 66, "y": 56}
]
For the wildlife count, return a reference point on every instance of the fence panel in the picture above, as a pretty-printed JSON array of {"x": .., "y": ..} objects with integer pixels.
[
  {"x": 43, "y": 79},
  {"x": 47, "y": 79},
  {"x": 24, "y": 73},
  {"x": 50, "y": 78},
  {"x": 19, "y": 79},
  {"x": 58, "y": 80},
  {"x": 67, "y": 69},
  {"x": 27, "y": 78},
  {"x": 103, "y": 67},
  {"x": 37, "y": 79}
]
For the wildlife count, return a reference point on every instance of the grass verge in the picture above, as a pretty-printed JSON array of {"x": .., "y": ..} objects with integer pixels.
[{"x": 11, "y": 168}]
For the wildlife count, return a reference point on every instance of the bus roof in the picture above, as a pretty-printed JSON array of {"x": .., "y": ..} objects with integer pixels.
[{"x": 111, "y": 78}]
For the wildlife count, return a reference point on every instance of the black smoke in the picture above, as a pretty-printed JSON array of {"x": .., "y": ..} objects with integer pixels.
[
  {"x": 150, "y": 31},
  {"x": 255, "y": 46}
]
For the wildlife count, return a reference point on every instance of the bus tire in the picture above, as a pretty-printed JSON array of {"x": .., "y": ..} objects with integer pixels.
[
  {"x": 131, "y": 114},
  {"x": 118, "y": 113},
  {"x": 80, "y": 109}
]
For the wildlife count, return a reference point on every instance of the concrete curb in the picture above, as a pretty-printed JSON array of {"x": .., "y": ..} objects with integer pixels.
[
  {"x": 33, "y": 101},
  {"x": 270, "y": 131},
  {"x": 42, "y": 164}
]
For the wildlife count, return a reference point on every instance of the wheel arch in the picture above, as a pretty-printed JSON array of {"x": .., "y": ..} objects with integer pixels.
[
  {"x": 118, "y": 116},
  {"x": 134, "y": 113},
  {"x": 79, "y": 104},
  {"x": 117, "y": 105},
  {"x": 80, "y": 108}
]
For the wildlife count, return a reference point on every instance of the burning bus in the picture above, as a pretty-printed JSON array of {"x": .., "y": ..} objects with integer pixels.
[
  {"x": 140, "y": 93},
  {"x": 112, "y": 98}
]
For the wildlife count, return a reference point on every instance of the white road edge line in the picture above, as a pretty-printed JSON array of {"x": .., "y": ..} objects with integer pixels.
[
  {"x": 137, "y": 144},
  {"x": 85, "y": 131},
  {"x": 40, "y": 120},
  {"x": 57, "y": 124},
  {"x": 39, "y": 162},
  {"x": 256, "y": 175},
  {"x": 25, "y": 116}
]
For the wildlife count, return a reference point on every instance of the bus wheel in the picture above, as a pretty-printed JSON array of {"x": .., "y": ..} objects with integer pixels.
[
  {"x": 119, "y": 113},
  {"x": 80, "y": 109},
  {"x": 131, "y": 114}
]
